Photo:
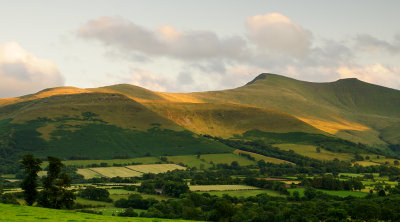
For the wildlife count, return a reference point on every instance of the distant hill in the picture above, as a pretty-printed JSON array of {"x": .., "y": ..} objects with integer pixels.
[{"x": 127, "y": 120}]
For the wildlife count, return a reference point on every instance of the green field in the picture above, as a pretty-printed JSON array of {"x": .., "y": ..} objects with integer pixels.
[
  {"x": 258, "y": 157},
  {"x": 310, "y": 151},
  {"x": 245, "y": 193},
  {"x": 204, "y": 188},
  {"x": 88, "y": 173},
  {"x": 155, "y": 168},
  {"x": 339, "y": 193},
  {"x": 116, "y": 171},
  {"x": 87, "y": 163},
  {"x": 227, "y": 158},
  {"x": 190, "y": 161},
  {"x": 14, "y": 213}
]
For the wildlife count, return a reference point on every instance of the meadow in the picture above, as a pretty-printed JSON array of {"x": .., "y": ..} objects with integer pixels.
[
  {"x": 244, "y": 193},
  {"x": 14, "y": 213},
  {"x": 127, "y": 171},
  {"x": 258, "y": 157},
  {"x": 155, "y": 168},
  {"x": 310, "y": 151},
  {"x": 204, "y": 188},
  {"x": 339, "y": 193}
]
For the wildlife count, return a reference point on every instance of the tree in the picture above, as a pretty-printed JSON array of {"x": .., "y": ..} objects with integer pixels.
[
  {"x": 318, "y": 149},
  {"x": 31, "y": 167},
  {"x": 55, "y": 184},
  {"x": 128, "y": 213},
  {"x": 93, "y": 193}
]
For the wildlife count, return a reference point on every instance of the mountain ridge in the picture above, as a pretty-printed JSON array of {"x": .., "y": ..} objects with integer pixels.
[{"x": 348, "y": 108}]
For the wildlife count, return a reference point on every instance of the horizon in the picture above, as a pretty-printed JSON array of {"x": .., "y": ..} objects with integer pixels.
[{"x": 248, "y": 83}]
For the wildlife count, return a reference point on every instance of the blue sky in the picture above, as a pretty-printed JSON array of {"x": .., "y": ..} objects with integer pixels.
[{"x": 183, "y": 46}]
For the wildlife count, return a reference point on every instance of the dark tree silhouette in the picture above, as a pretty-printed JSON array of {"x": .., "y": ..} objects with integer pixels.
[
  {"x": 55, "y": 184},
  {"x": 31, "y": 167}
]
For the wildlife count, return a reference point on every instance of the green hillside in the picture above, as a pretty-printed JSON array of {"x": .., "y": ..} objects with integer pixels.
[
  {"x": 11, "y": 213},
  {"x": 348, "y": 108},
  {"x": 124, "y": 120}
]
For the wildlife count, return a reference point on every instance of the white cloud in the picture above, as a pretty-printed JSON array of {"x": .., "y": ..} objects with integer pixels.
[
  {"x": 201, "y": 60},
  {"x": 373, "y": 45},
  {"x": 276, "y": 33},
  {"x": 22, "y": 73},
  {"x": 374, "y": 73},
  {"x": 163, "y": 41},
  {"x": 149, "y": 80}
]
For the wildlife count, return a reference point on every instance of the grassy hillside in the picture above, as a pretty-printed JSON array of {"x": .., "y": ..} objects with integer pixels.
[
  {"x": 126, "y": 120},
  {"x": 349, "y": 108},
  {"x": 226, "y": 120},
  {"x": 12, "y": 213}
]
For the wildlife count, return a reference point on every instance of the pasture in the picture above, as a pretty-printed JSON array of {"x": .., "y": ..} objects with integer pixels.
[
  {"x": 258, "y": 157},
  {"x": 14, "y": 213},
  {"x": 115, "y": 171},
  {"x": 339, "y": 193},
  {"x": 155, "y": 168},
  {"x": 245, "y": 193},
  {"x": 88, "y": 173},
  {"x": 310, "y": 151},
  {"x": 204, "y": 188},
  {"x": 88, "y": 163}
]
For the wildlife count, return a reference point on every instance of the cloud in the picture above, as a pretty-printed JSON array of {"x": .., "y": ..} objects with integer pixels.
[
  {"x": 272, "y": 42},
  {"x": 149, "y": 80},
  {"x": 374, "y": 73},
  {"x": 163, "y": 41},
  {"x": 22, "y": 73},
  {"x": 371, "y": 44},
  {"x": 276, "y": 33}
]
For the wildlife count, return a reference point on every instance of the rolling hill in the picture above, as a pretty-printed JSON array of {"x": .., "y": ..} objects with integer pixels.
[{"x": 127, "y": 120}]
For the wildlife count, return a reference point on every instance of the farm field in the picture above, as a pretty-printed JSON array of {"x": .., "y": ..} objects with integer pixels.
[
  {"x": 261, "y": 157},
  {"x": 14, "y": 213},
  {"x": 339, "y": 193},
  {"x": 205, "y": 188},
  {"x": 190, "y": 160},
  {"x": 155, "y": 168},
  {"x": 366, "y": 163},
  {"x": 115, "y": 171},
  {"x": 310, "y": 151},
  {"x": 245, "y": 193},
  {"x": 227, "y": 158},
  {"x": 88, "y": 173},
  {"x": 87, "y": 163}
]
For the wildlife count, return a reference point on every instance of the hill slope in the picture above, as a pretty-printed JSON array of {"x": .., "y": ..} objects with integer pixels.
[{"x": 126, "y": 120}]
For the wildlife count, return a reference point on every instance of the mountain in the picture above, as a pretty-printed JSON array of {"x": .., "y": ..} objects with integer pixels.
[{"x": 127, "y": 120}]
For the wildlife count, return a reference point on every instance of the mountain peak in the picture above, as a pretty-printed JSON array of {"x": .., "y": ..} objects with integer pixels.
[{"x": 263, "y": 76}]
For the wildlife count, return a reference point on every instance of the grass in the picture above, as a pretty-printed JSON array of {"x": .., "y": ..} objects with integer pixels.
[
  {"x": 258, "y": 157},
  {"x": 190, "y": 160},
  {"x": 128, "y": 171},
  {"x": 14, "y": 213},
  {"x": 88, "y": 173},
  {"x": 87, "y": 163},
  {"x": 155, "y": 168},
  {"x": 245, "y": 193},
  {"x": 204, "y": 188},
  {"x": 339, "y": 193},
  {"x": 227, "y": 158},
  {"x": 115, "y": 171},
  {"x": 366, "y": 163},
  {"x": 310, "y": 151}
]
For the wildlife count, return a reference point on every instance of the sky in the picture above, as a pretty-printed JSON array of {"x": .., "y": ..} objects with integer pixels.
[{"x": 186, "y": 46}]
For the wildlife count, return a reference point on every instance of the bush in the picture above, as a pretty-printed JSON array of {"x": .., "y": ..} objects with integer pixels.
[
  {"x": 128, "y": 213},
  {"x": 8, "y": 198},
  {"x": 93, "y": 193}
]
